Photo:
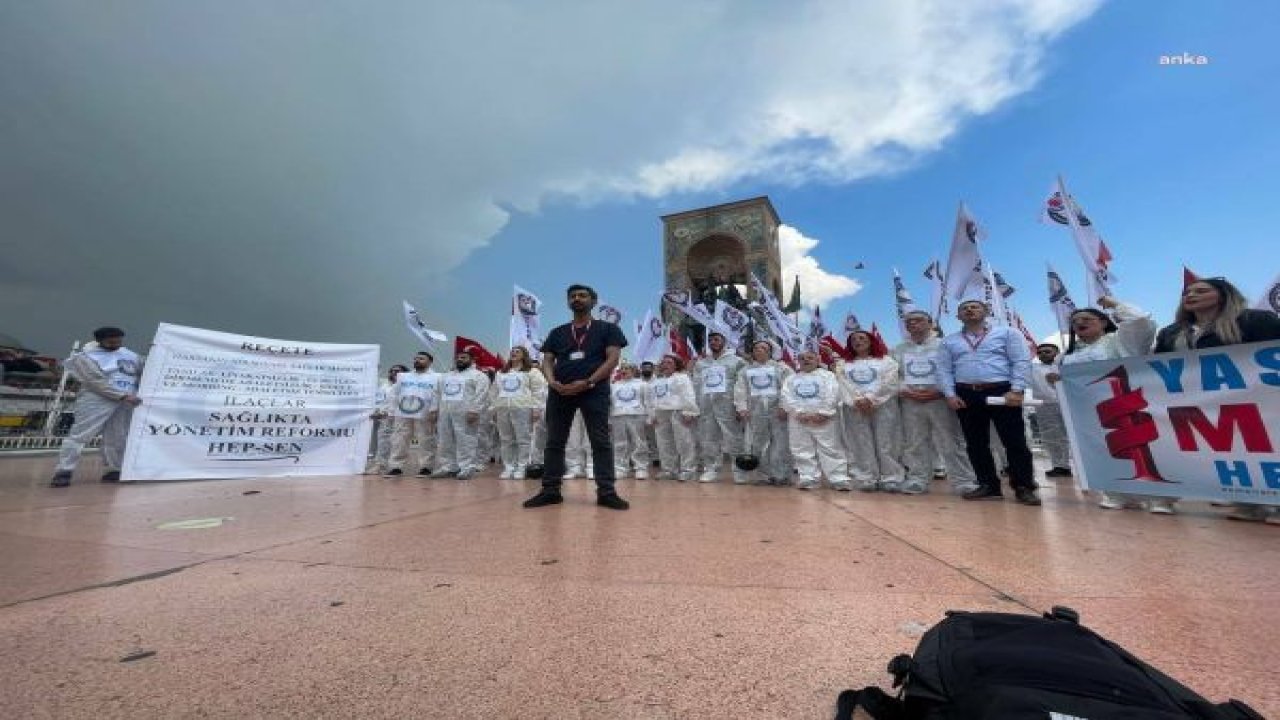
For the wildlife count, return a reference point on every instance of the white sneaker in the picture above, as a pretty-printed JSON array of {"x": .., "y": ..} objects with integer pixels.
[
  {"x": 517, "y": 475},
  {"x": 506, "y": 473},
  {"x": 708, "y": 476},
  {"x": 741, "y": 478},
  {"x": 642, "y": 475},
  {"x": 841, "y": 486},
  {"x": 572, "y": 474},
  {"x": 591, "y": 474},
  {"x": 1111, "y": 502},
  {"x": 466, "y": 473},
  {"x": 806, "y": 484},
  {"x": 1162, "y": 507},
  {"x": 685, "y": 477}
]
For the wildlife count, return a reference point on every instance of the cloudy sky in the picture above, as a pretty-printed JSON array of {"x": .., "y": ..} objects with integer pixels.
[{"x": 294, "y": 169}]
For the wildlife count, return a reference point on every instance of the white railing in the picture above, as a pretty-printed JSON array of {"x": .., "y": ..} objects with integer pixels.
[{"x": 37, "y": 442}]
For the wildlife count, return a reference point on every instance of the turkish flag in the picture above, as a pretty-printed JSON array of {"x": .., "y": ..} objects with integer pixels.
[
  {"x": 879, "y": 348},
  {"x": 679, "y": 347},
  {"x": 1188, "y": 277},
  {"x": 480, "y": 355},
  {"x": 832, "y": 345}
]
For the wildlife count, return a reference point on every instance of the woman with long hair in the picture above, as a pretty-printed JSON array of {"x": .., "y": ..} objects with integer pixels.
[
  {"x": 517, "y": 396},
  {"x": 673, "y": 409},
  {"x": 1214, "y": 313},
  {"x": 1095, "y": 336},
  {"x": 872, "y": 431}
]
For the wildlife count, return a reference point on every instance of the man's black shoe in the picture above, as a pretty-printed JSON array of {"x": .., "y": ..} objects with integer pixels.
[
  {"x": 1026, "y": 496},
  {"x": 111, "y": 477},
  {"x": 544, "y": 498},
  {"x": 393, "y": 472},
  {"x": 983, "y": 493},
  {"x": 424, "y": 472},
  {"x": 62, "y": 478},
  {"x": 1058, "y": 472},
  {"x": 613, "y": 502}
]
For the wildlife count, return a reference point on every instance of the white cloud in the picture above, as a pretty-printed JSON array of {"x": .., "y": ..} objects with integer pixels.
[
  {"x": 817, "y": 286},
  {"x": 241, "y": 144}
]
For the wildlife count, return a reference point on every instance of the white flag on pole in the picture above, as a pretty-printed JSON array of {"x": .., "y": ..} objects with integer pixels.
[
  {"x": 902, "y": 301},
  {"x": 1063, "y": 210},
  {"x": 651, "y": 342},
  {"x": 526, "y": 323},
  {"x": 964, "y": 275},
  {"x": 732, "y": 322},
  {"x": 607, "y": 313},
  {"x": 419, "y": 329},
  {"x": 1270, "y": 298},
  {"x": 937, "y": 290},
  {"x": 1060, "y": 301}
]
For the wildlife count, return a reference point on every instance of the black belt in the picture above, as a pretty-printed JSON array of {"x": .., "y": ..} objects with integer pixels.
[{"x": 979, "y": 387}]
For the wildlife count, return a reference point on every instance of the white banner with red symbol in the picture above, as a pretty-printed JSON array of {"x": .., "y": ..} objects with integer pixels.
[
  {"x": 1202, "y": 424},
  {"x": 224, "y": 405}
]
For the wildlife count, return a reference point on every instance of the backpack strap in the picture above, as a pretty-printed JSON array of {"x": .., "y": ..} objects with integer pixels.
[{"x": 873, "y": 700}]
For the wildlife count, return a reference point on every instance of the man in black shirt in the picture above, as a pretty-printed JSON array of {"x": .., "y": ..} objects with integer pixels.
[{"x": 578, "y": 359}]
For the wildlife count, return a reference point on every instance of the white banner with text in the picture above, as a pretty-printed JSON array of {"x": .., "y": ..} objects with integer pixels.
[
  {"x": 1199, "y": 424},
  {"x": 222, "y": 405}
]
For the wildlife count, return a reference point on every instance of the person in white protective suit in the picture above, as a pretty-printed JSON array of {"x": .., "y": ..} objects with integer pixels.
[
  {"x": 757, "y": 397},
  {"x": 487, "y": 427},
  {"x": 108, "y": 373},
  {"x": 673, "y": 410},
  {"x": 628, "y": 418},
  {"x": 929, "y": 426},
  {"x": 538, "y": 438},
  {"x": 1094, "y": 336},
  {"x": 811, "y": 399},
  {"x": 1053, "y": 430},
  {"x": 464, "y": 394},
  {"x": 648, "y": 371},
  {"x": 384, "y": 423},
  {"x": 872, "y": 431},
  {"x": 414, "y": 398},
  {"x": 719, "y": 431},
  {"x": 578, "y": 460},
  {"x": 516, "y": 399}
]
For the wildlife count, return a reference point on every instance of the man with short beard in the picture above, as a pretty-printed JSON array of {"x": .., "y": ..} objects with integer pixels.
[
  {"x": 414, "y": 398},
  {"x": 578, "y": 359},
  {"x": 930, "y": 427},
  {"x": 108, "y": 373},
  {"x": 464, "y": 395}
]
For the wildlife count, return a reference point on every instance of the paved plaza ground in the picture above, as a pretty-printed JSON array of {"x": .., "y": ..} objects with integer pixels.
[{"x": 364, "y": 597}]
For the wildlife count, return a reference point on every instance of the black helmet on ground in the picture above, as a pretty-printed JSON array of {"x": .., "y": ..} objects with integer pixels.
[{"x": 746, "y": 462}]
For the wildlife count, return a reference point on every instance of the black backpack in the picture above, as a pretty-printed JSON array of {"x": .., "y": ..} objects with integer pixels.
[{"x": 998, "y": 665}]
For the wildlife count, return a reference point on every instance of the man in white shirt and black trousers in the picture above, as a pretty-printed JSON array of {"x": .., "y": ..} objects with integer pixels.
[
  {"x": 578, "y": 358},
  {"x": 984, "y": 361}
]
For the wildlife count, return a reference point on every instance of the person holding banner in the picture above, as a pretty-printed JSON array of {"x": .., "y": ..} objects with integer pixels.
[
  {"x": 628, "y": 418},
  {"x": 464, "y": 393},
  {"x": 872, "y": 433},
  {"x": 930, "y": 428},
  {"x": 1214, "y": 313},
  {"x": 384, "y": 421},
  {"x": 578, "y": 359},
  {"x": 756, "y": 397},
  {"x": 811, "y": 399},
  {"x": 414, "y": 399},
  {"x": 1094, "y": 336},
  {"x": 673, "y": 411},
  {"x": 976, "y": 365},
  {"x": 108, "y": 373},
  {"x": 517, "y": 397},
  {"x": 719, "y": 431}
]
